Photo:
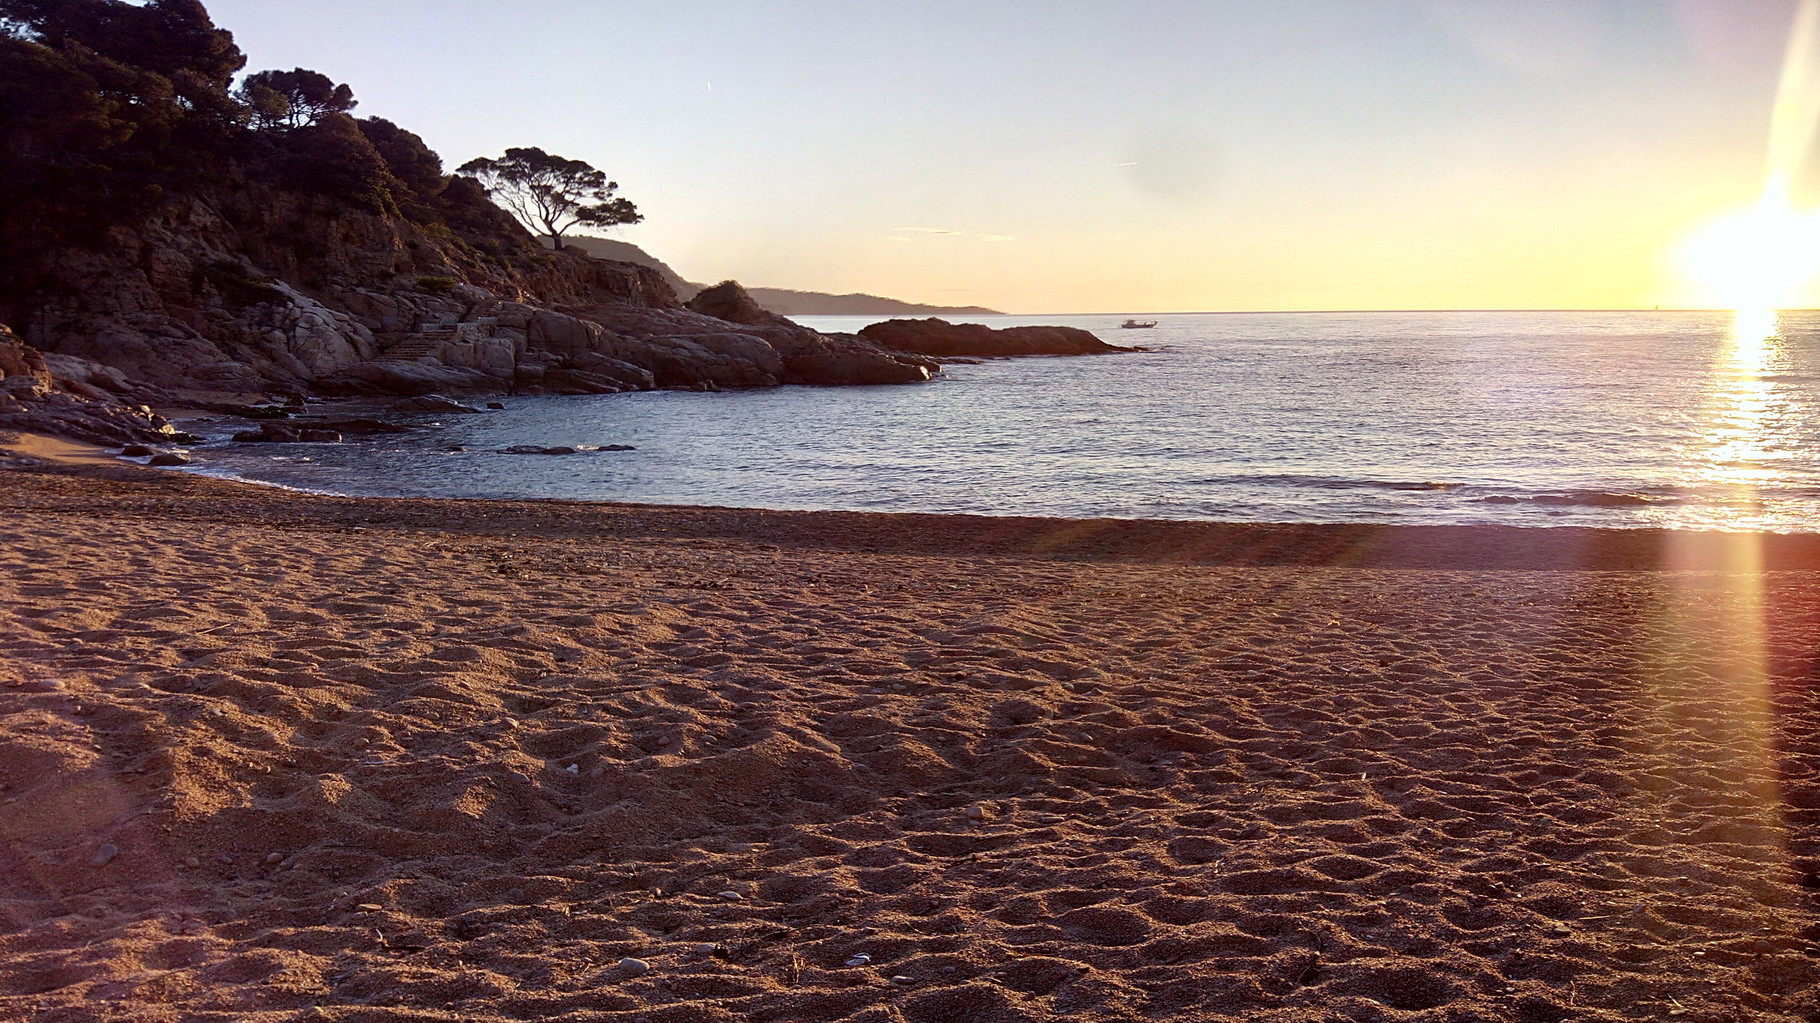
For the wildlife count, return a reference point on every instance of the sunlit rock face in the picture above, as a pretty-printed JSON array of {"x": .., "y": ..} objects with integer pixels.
[
  {"x": 20, "y": 364},
  {"x": 66, "y": 396}
]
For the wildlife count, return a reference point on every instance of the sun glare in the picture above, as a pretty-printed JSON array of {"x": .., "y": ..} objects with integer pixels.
[{"x": 1754, "y": 259}]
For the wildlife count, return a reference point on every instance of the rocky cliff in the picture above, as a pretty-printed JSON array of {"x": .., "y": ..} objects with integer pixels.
[
  {"x": 254, "y": 289},
  {"x": 177, "y": 237}
]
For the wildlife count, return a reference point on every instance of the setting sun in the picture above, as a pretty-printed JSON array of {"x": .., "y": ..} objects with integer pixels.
[{"x": 1757, "y": 258}]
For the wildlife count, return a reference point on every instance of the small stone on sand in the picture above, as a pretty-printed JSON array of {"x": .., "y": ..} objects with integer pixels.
[
  {"x": 859, "y": 960},
  {"x": 976, "y": 812},
  {"x": 104, "y": 855},
  {"x": 731, "y": 896},
  {"x": 635, "y": 967}
]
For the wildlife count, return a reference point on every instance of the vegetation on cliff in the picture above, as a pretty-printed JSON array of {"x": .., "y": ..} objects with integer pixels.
[
  {"x": 169, "y": 232},
  {"x": 109, "y": 111},
  {"x": 551, "y": 192}
]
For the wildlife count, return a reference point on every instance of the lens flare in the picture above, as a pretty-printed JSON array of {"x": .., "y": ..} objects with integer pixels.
[{"x": 1766, "y": 256}]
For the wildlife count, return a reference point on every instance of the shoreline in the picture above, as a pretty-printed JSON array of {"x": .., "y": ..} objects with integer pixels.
[
  {"x": 268, "y": 757},
  {"x": 1159, "y": 541}
]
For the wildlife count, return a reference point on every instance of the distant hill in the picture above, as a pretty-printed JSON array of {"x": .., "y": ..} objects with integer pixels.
[
  {"x": 782, "y": 301},
  {"x": 816, "y": 303},
  {"x": 626, "y": 252}
]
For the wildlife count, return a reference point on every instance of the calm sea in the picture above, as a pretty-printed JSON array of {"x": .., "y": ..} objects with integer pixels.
[{"x": 1606, "y": 419}]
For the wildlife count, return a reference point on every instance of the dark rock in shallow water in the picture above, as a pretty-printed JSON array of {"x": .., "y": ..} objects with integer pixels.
[
  {"x": 937, "y": 338},
  {"x": 270, "y": 433},
  {"x": 496, "y": 405},
  {"x": 138, "y": 451},
  {"x": 435, "y": 404},
  {"x": 533, "y": 449},
  {"x": 321, "y": 437},
  {"x": 167, "y": 458},
  {"x": 354, "y": 426}
]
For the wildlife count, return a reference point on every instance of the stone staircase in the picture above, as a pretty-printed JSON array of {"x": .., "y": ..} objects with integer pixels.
[{"x": 424, "y": 343}]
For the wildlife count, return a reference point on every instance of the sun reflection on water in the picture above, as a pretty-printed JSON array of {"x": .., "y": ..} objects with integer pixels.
[{"x": 1743, "y": 439}]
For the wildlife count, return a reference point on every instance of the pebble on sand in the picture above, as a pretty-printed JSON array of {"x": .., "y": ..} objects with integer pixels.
[
  {"x": 976, "y": 812},
  {"x": 104, "y": 855},
  {"x": 272, "y": 859},
  {"x": 731, "y": 896},
  {"x": 859, "y": 960},
  {"x": 635, "y": 967}
]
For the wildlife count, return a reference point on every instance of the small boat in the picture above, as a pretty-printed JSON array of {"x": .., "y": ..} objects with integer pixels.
[{"x": 1137, "y": 324}]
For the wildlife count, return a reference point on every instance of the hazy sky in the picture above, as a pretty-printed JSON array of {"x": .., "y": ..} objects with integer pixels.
[{"x": 1131, "y": 156}]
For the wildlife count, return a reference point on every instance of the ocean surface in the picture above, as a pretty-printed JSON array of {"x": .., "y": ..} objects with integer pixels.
[{"x": 1540, "y": 419}]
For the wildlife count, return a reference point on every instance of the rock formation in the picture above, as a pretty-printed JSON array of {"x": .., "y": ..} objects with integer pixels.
[
  {"x": 381, "y": 306},
  {"x": 940, "y": 339},
  {"x": 196, "y": 251},
  {"x": 67, "y": 397}
]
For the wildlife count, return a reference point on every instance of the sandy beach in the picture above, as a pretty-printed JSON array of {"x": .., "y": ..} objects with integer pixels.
[{"x": 268, "y": 756}]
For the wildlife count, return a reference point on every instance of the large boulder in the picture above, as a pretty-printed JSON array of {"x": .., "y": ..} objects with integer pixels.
[
  {"x": 937, "y": 338},
  {"x": 729, "y": 301}
]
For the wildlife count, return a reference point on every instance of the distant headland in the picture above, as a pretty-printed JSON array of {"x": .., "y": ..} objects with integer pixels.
[{"x": 782, "y": 301}]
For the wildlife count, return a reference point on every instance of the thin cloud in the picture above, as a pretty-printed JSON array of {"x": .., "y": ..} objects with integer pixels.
[{"x": 902, "y": 234}]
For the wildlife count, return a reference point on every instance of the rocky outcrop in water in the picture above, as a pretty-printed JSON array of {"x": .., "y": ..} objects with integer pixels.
[{"x": 938, "y": 338}]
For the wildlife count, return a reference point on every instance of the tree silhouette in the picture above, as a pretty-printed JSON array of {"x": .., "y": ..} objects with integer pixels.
[
  {"x": 550, "y": 192},
  {"x": 294, "y": 99}
]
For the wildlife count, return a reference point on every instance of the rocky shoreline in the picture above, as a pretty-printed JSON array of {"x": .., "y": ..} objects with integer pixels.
[{"x": 96, "y": 373}]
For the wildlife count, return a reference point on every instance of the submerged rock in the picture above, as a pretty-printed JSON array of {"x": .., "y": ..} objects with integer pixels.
[{"x": 435, "y": 404}]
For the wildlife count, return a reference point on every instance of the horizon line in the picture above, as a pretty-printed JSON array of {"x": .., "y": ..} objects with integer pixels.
[{"x": 1289, "y": 312}]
